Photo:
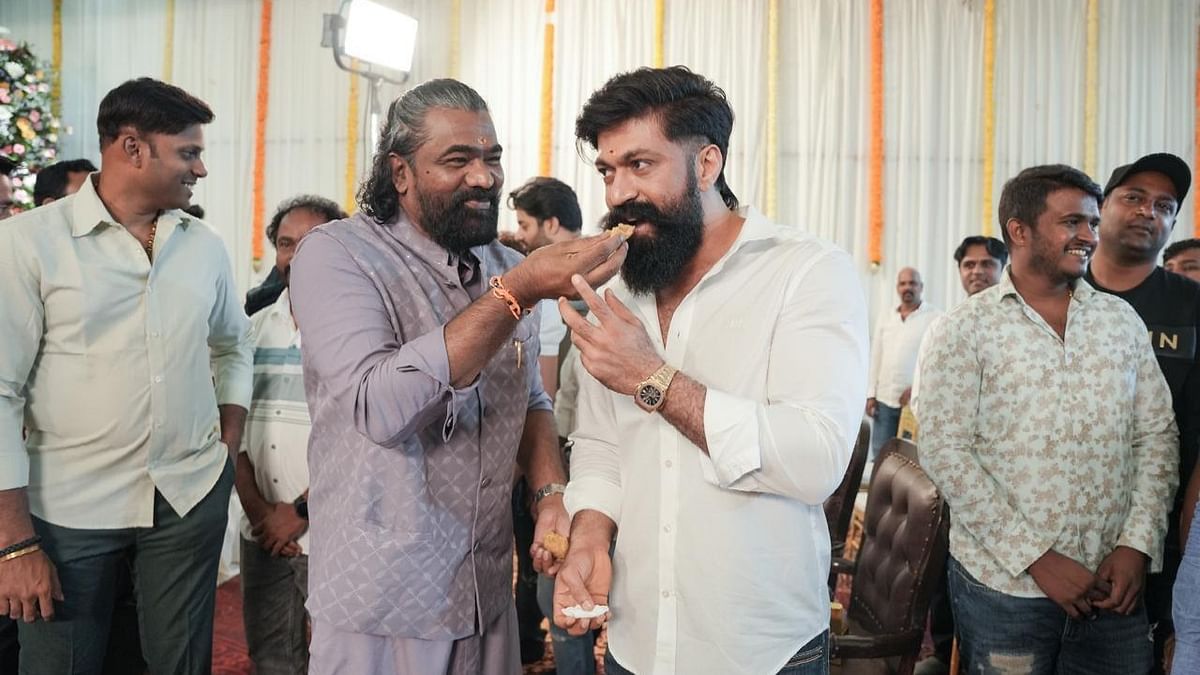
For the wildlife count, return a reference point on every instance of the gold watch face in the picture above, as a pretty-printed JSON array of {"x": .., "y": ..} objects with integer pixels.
[{"x": 650, "y": 396}]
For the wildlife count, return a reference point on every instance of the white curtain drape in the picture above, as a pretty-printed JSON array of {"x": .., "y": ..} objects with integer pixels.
[{"x": 933, "y": 175}]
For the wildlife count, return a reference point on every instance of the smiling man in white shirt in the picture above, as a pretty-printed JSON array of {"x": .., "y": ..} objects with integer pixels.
[
  {"x": 725, "y": 378},
  {"x": 119, "y": 310}
]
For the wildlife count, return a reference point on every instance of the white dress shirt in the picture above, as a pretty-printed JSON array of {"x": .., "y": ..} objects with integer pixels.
[
  {"x": 277, "y": 427},
  {"x": 894, "y": 352},
  {"x": 106, "y": 361},
  {"x": 551, "y": 329},
  {"x": 722, "y": 560}
]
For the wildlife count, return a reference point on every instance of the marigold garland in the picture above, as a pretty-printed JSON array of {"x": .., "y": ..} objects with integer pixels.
[
  {"x": 1196, "y": 202},
  {"x": 56, "y": 60},
  {"x": 547, "y": 128},
  {"x": 1091, "y": 87},
  {"x": 989, "y": 112},
  {"x": 875, "y": 163},
  {"x": 660, "y": 19},
  {"x": 772, "y": 106},
  {"x": 260, "y": 129},
  {"x": 352, "y": 141},
  {"x": 169, "y": 43}
]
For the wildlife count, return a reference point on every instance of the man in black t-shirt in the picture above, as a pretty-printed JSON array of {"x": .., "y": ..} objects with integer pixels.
[{"x": 1141, "y": 201}]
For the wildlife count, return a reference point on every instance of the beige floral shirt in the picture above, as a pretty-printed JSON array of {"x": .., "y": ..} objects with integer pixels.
[{"x": 1041, "y": 443}]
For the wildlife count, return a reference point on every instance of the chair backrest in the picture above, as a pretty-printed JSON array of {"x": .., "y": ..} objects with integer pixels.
[
  {"x": 905, "y": 540},
  {"x": 839, "y": 507},
  {"x": 901, "y": 446}
]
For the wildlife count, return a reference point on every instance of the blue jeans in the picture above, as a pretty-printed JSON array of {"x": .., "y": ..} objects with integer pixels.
[
  {"x": 1000, "y": 633},
  {"x": 884, "y": 426},
  {"x": 811, "y": 659},
  {"x": 573, "y": 654},
  {"x": 1186, "y": 607}
]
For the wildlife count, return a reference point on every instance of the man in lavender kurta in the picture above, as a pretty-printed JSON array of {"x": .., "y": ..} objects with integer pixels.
[{"x": 421, "y": 372}]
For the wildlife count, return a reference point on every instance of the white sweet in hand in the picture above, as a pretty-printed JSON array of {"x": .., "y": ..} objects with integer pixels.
[{"x": 578, "y": 612}]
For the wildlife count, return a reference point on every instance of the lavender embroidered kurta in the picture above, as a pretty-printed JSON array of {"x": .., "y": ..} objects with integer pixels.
[{"x": 411, "y": 529}]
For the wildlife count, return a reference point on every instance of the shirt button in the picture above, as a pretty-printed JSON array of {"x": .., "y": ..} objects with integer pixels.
[
  {"x": 666, "y": 594},
  {"x": 667, "y": 528},
  {"x": 154, "y": 334},
  {"x": 667, "y": 463},
  {"x": 485, "y": 482},
  {"x": 278, "y": 412},
  {"x": 158, "y": 378},
  {"x": 272, "y": 446}
]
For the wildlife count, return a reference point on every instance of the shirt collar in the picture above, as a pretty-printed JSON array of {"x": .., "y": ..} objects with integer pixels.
[
  {"x": 1006, "y": 289},
  {"x": 88, "y": 212},
  {"x": 282, "y": 307}
]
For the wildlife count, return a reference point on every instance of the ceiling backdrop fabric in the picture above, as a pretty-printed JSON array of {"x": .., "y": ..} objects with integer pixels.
[{"x": 933, "y": 74}]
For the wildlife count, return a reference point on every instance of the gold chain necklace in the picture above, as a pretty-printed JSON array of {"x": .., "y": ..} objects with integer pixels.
[{"x": 150, "y": 241}]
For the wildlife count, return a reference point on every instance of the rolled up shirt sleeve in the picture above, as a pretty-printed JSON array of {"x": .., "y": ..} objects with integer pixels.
[
  {"x": 391, "y": 390},
  {"x": 21, "y": 325},
  {"x": 797, "y": 443},
  {"x": 230, "y": 343},
  {"x": 595, "y": 482}
]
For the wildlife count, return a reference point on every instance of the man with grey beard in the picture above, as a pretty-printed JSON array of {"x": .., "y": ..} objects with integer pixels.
[{"x": 421, "y": 374}]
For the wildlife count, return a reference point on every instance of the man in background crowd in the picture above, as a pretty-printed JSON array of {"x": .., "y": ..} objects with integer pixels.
[
  {"x": 1183, "y": 257},
  {"x": 272, "y": 475},
  {"x": 894, "y": 350},
  {"x": 7, "y": 166},
  {"x": 547, "y": 213},
  {"x": 1141, "y": 203},
  {"x": 60, "y": 179}
]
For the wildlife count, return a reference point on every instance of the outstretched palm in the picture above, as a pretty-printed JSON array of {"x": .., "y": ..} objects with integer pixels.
[{"x": 584, "y": 579}]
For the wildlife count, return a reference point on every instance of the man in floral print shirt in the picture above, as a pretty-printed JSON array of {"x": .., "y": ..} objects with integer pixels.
[{"x": 1048, "y": 426}]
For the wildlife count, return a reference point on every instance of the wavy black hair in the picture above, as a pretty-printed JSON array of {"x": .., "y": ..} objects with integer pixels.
[
  {"x": 688, "y": 106},
  {"x": 1024, "y": 195}
]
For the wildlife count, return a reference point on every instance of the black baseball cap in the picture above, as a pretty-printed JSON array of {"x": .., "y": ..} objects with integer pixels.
[{"x": 1165, "y": 163}]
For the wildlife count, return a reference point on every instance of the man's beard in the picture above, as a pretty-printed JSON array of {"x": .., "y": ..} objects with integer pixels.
[
  {"x": 656, "y": 261},
  {"x": 454, "y": 226}
]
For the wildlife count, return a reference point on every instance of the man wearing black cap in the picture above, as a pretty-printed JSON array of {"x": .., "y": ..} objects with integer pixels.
[{"x": 1141, "y": 202}]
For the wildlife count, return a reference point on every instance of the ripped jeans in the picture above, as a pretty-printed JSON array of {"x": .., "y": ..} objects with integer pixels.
[{"x": 1000, "y": 634}]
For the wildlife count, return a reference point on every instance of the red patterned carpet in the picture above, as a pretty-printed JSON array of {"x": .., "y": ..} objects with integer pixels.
[{"x": 229, "y": 637}]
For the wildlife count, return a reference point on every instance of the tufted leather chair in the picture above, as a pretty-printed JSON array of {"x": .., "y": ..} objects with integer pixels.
[
  {"x": 839, "y": 507},
  {"x": 903, "y": 446},
  {"x": 905, "y": 539}
]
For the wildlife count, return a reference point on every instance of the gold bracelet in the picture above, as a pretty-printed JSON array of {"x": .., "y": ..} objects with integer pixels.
[{"x": 25, "y": 551}]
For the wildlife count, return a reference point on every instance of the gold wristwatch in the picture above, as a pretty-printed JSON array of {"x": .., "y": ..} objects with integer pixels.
[{"x": 652, "y": 392}]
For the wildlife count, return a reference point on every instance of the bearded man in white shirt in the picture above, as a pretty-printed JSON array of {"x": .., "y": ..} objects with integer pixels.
[
  {"x": 724, "y": 388},
  {"x": 119, "y": 310}
]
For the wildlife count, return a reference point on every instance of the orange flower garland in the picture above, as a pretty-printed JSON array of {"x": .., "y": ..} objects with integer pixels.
[
  {"x": 56, "y": 60},
  {"x": 875, "y": 163},
  {"x": 989, "y": 112},
  {"x": 660, "y": 19},
  {"x": 260, "y": 129},
  {"x": 772, "y": 106},
  {"x": 351, "y": 144},
  {"x": 546, "y": 136}
]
